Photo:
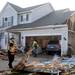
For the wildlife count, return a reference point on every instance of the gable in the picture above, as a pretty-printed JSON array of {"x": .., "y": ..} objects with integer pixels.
[{"x": 7, "y": 10}]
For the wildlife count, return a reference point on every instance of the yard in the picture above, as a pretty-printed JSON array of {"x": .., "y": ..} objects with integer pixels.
[{"x": 44, "y": 59}]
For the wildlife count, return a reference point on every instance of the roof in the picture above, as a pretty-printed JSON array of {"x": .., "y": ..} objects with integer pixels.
[
  {"x": 55, "y": 18},
  {"x": 19, "y": 9}
]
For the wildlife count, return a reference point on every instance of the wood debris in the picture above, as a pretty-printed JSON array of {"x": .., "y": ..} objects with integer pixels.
[{"x": 3, "y": 55}]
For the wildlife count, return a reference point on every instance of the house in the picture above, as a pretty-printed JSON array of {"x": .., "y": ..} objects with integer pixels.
[
  {"x": 71, "y": 28},
  {"x": 40, "y": 22}
]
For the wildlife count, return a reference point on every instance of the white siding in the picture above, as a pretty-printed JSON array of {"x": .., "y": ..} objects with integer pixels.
[
  {"x": 4, "y": 41},
  {"x": 63, "y": 31},
  {"x": 8, "y": 11}
]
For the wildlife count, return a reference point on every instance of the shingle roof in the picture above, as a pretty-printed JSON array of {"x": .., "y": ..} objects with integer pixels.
[
  {"x": 55, "y": 18},
  {"x": 19, "y": 9}
]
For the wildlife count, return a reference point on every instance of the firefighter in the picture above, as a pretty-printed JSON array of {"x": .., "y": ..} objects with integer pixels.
[{"x": 11, "y": 53}]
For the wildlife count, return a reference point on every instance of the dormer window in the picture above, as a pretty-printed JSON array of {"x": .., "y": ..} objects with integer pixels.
[
  {"x": 24, "y": 17},
  {"x": 21, "y": 18},
  {"x": 27, "y": 17}
]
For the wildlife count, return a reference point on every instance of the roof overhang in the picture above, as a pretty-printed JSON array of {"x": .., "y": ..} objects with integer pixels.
[
  {"x": 3, "y": 29},
  {"x": 36, "y": 28}
]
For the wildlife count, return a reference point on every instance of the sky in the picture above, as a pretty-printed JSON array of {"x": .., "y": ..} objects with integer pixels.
[{"x": 57, "y": 4}]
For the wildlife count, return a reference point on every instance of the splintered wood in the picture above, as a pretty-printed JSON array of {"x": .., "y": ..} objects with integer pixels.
[
  {"x": 24, "y": 61},
  {"x": 3, "y": 55}
]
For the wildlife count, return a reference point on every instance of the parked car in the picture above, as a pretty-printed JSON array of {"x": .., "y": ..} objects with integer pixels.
[{"x": 53, "y": 48}]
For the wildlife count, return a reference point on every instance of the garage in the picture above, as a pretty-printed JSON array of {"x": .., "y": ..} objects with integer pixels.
[
  {"x": 47, "y": 44},
  {"x": 44, "y": 34}
]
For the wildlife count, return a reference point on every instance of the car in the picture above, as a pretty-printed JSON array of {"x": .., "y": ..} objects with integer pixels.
[{"x": 53, "y": 47}]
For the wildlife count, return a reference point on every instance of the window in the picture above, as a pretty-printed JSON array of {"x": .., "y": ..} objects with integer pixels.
[
  {"x": 3, "y": 21},
  {"x": 21, "y": 18},
  {"x": 6, "y": 19},
  {"x": 24, "y": 17},
  {"x": 27, "y": 17},
  {"x": 1, "y": 35},
  {"x": 12, "y": 20}
]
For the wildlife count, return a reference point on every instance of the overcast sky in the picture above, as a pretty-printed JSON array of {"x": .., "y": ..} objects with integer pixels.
[{"x": 57, "y": 4}]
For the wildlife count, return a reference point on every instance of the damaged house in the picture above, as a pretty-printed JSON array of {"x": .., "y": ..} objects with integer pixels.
[{"x": 40, "y": 22}]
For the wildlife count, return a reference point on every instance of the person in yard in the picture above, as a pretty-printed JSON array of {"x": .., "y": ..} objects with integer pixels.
[
  {"x": 35, "y": 46},
  {"x": 11, "y": 53}
]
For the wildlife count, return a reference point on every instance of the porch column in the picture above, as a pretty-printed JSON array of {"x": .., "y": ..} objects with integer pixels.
[
  {"x": 64, "y": 44},
  {"x": 23, "y": 41}
]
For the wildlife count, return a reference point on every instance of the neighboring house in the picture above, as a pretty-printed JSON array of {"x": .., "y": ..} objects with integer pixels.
[
  {"x": 71, "y": 28},
  {"x": 39, "y": 22}
]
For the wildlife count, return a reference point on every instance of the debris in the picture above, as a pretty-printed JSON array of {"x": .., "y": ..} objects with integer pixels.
[
  {"x": 24, "y": 61},
  {"x": 3, "y": 55}
]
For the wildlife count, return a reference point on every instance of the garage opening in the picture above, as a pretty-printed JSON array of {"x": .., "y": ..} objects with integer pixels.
[{"x": 47, "y": 44}]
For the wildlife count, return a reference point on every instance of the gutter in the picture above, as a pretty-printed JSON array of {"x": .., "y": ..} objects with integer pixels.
[{"x": 37, "y": 28}]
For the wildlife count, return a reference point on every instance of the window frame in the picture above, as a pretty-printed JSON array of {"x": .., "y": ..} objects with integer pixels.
[
  {"x": 21, "y": 18},
  {"x": 27, "y": 17},
  {"x": 5, "y": 19}
]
